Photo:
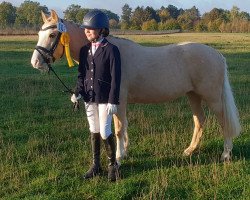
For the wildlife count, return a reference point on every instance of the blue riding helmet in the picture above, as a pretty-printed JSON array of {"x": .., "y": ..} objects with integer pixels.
[{"x": 95, "y": 19}]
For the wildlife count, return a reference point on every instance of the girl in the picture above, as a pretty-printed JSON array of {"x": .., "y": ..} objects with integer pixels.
[{"x": 99, "y": 85}]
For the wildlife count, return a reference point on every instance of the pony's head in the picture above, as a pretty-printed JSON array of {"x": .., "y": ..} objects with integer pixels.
[{"x": 48, "y": 47}]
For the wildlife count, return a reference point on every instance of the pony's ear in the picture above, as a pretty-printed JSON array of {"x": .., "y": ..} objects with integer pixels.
[
  {"x": 44, "y": 16},
  {"x": 54, "y": 16}
]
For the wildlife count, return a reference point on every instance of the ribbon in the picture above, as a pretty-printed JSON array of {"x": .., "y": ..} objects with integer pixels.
[{"x": 65, "y": 39}]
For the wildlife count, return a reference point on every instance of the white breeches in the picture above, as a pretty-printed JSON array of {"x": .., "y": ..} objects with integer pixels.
[{"x": 99, "y": 120}]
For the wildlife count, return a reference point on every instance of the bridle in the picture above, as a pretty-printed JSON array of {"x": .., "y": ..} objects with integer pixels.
[
  {"x": 47, "y": 54},
  {"x": 48, "y": 57}
]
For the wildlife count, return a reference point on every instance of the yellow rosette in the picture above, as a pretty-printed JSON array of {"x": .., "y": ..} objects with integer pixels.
[{"x": 65, "y": 39}]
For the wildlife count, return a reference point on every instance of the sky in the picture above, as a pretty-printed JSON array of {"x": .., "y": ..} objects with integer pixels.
[{"x": 116, "y": 5}]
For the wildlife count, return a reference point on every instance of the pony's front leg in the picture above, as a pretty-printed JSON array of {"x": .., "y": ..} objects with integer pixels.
[
  {"x": 228, "y": 146},
  {"x": 120, "y": 122}
]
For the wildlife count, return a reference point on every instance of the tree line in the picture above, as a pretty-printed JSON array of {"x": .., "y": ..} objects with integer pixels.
[
  {"x": 141, "y": 18},
  {"x": 28, "y": 14},
  {"x": 169, "y": 18}
]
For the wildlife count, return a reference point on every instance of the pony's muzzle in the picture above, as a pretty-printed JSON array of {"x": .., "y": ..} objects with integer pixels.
[{"x": 38, "y": 63}]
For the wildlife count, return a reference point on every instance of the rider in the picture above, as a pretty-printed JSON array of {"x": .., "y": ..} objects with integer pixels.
[{"x": 98, "y": 84}]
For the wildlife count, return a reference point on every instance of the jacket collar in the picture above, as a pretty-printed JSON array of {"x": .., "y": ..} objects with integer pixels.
[{"x": 104, "y": 43}]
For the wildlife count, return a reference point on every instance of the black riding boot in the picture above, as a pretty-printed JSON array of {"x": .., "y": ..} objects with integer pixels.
[
  {"x": 113, "y": 171},
  {"x": 95, "y": 169}
]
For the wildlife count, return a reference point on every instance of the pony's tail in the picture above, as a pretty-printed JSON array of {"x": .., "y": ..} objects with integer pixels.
[{"x": 231, "y": 123}]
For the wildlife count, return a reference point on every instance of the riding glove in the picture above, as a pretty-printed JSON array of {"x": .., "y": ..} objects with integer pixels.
[
  {"x": 75, "y": 98},
  {"x": 111, "y": 109}
]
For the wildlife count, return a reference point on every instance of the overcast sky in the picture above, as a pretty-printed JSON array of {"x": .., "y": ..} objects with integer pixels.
[{"x": 116, "y": 5}]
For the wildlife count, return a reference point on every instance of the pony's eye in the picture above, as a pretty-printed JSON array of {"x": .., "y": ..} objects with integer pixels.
[{"x": 52, "y": 35}]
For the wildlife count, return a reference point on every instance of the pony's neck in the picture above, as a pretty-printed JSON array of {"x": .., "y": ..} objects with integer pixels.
[{"x": 77, "y": 39}]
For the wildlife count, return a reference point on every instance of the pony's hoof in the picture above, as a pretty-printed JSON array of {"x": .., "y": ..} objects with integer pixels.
[
  {"x": 225, "y": 157},
  {"x": 120, "y": 158},
  {"x": 188, "y": 151},
  {"x": 119, "y": 161}
]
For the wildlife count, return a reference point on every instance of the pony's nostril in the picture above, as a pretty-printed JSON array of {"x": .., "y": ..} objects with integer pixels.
[{"x": 36, "y": 62}]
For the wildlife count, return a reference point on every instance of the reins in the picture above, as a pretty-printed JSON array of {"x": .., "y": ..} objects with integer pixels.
[
  {"x": 60, "y": 80},
  {"x": 47, "y": 55}
]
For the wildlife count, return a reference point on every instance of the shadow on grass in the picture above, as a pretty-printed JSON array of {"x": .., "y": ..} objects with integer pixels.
[{"x": 204, "y": 156}]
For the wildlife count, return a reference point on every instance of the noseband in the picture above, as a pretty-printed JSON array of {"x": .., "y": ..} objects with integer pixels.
[{"x": 47, "y": 54}]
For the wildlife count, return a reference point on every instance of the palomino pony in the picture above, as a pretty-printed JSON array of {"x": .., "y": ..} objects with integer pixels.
[{"x": 156, "y": 75}]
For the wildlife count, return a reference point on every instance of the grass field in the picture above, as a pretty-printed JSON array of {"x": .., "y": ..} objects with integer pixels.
[{"x": 45, "y": 146}]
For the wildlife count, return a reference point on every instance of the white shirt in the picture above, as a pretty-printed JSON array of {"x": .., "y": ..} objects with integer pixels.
[{"x": 95, "y": 45}]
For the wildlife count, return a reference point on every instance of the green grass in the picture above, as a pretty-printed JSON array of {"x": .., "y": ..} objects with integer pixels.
[{"x": 45, "y": 146}]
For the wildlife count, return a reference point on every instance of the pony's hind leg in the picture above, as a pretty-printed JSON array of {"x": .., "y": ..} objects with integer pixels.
[
  {"x": 228, "y": 146},
  {"x": 217, "y": 108},
  {"x": 199, "y": 119}
]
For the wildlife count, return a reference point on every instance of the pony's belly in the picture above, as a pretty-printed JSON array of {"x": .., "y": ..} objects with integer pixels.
[
  {"x": 154, "y": 97},
  {"x": 161, "y": 91},
  {"x": 149, "y": 100}
]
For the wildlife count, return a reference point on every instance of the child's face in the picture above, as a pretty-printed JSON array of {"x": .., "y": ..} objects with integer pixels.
[{"x": 92, "y": 34}]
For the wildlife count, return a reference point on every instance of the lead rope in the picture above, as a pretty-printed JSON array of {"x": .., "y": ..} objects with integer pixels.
[{"x": 76, "y": 104}]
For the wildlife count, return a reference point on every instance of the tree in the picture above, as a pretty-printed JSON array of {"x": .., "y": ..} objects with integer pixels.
[
  {"x": 200, "y": 26},
  {"x": 170, "y": 24},
  {"x": 80, "y": 15},
  {"x": 245, "y": 16},
  {"x": 150, "y": 25},
  {"x": 193, "y": 13},
  {"x": 216, "y": 14},
  {"x": 216, "y": 19},
  {"x": 111, "y": 15},
  {"x": 149, "y": 13},
  {"x": 214, "y": 26},
  {"x": 76, "y": 13},
  {"x": 136, "y": 18},
  {"x": 174, "y": 11},
  {"x": 185, "y": 22},
  {"x": 189, "y": 18},
  {"x": 29, "y": 14},
  {"x": 126, "y": 14},
  {"x": 7, "y": 14},
  {"x": 72, "y": 11},
  {"x": 235, "y": 12},
  {"x": 141, "y": 15},
  {"x": 164, "y": 14}
]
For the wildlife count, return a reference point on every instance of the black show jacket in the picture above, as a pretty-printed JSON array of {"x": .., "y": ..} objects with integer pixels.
[{"x": 99, "y": 76}]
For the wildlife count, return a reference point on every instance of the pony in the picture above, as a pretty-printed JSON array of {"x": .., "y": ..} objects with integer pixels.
[{"x": 155, "y": 75}]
